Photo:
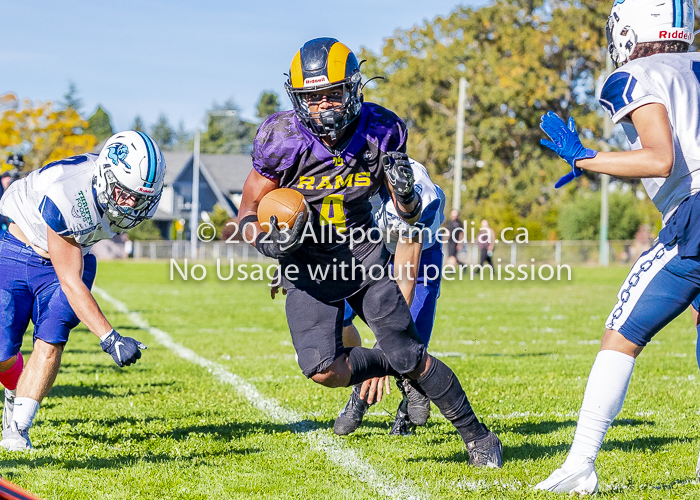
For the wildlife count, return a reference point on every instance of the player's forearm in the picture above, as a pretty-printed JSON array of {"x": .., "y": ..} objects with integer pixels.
[
  {"x": 85, "y": 306},
  {"x": 638, "y": 164},
  {"x": 406, "y": 262},
  {"x": 411, "y": 208},
  {"x": 407, "y": 287}
]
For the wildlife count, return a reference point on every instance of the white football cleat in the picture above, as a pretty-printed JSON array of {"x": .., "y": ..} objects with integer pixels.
[
  {"x": 582, "y": 480},
  {"x": 697, "y": 468},
  {"x": 14, "y": 439}
]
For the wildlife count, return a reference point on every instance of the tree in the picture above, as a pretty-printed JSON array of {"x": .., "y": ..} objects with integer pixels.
[
  {"x": 46, "y": 134},
  {"x": 100, "y": 125},
  {"x": 520, "y": 58},
  {"x": 227, "y": 134},
  {"x": 71, "y": 99},
  {"x": 147, "y": 230},
  {"x": 268, "y": 104},
  {"x": 580, "y": 219},
  {"x": 183, "y": 138},
  {"x": 163, "y": 133},
  {"x": 138, "y": 125},
  {"x": 219, "y": 217}
]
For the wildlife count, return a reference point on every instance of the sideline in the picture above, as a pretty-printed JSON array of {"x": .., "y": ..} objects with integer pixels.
[{"x": 318, "y": 439}]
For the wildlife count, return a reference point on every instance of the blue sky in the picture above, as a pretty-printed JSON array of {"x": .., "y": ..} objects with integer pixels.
[{"x": 177, "y": 57}]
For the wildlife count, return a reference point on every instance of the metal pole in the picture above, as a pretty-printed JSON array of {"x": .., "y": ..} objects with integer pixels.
[
  {"x": 194, "y": 215},
  {"x": 459, "y": 146},
  {"x": 604, "y": 183}
]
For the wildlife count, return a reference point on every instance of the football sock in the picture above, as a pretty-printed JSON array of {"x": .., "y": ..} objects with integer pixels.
[
  {"x": 9, "y": 378},
  {"x": 441, "y": 385},
  {"x": 368, "y": 363},
  {"x": 605, "y": 392},
  {"x": 25, "y": 411}
]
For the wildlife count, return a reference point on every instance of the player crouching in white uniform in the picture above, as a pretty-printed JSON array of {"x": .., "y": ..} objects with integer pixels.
[
  {"x": 57, "y": 213},
  {"x": 656, "y": 97}
]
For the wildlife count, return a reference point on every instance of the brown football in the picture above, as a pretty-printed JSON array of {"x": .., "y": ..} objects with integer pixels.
[{"x": 285, "y": 203}]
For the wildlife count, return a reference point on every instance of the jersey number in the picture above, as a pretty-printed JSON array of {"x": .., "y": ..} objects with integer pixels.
[
  {"x": 76, "y": 160},
  {"x": 333, "y": 211}
]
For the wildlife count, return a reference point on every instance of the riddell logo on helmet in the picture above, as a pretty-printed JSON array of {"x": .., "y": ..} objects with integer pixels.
[
  {"x": 316, "y": 80},
  {"x": 146, "y": 190},
  {"x": 674, "y": 35}
]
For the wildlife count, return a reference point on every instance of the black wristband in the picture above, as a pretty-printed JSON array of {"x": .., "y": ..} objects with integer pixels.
[
  {"x": 413, "y": 213},
  {"x": 248, "y": 219},
  {"x": 406, "y": 199}
]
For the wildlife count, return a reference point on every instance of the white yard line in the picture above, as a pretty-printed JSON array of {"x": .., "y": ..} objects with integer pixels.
[{"x": 319, "y": 439}]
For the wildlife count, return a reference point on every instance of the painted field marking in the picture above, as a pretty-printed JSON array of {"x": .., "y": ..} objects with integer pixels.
[{"x": 319, "y": 440}]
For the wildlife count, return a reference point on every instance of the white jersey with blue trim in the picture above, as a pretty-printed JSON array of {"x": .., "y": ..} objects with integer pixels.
[
  {"x": 59, "y": 196},
  {"x": 674, "y": 81},
  {"x": 392, "y": 226}
]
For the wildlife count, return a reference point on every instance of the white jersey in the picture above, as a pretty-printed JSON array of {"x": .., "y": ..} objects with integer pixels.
[
  {"x": 674, "y": 81},
  {"x": 59, "y": 196},
  {"x": 433, "y": 204}
]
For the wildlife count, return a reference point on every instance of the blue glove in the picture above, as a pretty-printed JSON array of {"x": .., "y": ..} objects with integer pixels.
[
  {"x": 124, "y": 350},
  {"x": 565, "y": 143}
]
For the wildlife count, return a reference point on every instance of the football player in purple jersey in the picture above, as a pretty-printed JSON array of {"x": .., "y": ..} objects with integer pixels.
[{"x": 338, "y": 151}]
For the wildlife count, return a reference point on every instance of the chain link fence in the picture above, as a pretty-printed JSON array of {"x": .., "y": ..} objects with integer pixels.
[{"x": 545, "y": 252}]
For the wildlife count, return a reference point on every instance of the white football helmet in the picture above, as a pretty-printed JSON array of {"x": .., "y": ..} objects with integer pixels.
[
  {"x": 638, "y": 21},
  {"x": 132, "y": 163}
]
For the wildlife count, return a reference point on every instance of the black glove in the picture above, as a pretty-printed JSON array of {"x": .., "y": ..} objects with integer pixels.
[
  {"x": 124, "y": 350},
  {"x": 278, "y": 242},
  {"x": 398, "y": 170}
]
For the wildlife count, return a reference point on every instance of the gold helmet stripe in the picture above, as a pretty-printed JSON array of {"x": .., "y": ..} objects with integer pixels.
[
  {"x": 296, "y": 74},
  {"x": 337, "y": 62}
]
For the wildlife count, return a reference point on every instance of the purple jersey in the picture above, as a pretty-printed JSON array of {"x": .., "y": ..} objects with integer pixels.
[{"x": 336, "y": 185}]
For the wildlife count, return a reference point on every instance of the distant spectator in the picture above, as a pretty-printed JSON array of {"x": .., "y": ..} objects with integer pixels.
[
  {"x": 128, "y": 247},
  {"x": 487, "y": 242},
  {"x": 454, "y": 245},
  {"x": 5, "y": 181}
]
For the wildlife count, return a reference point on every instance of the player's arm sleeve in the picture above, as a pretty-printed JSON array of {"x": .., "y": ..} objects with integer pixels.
[
  {"x": 53, "y": 217},
  {"x": 400, "y": 136},
  {"x": 625, "y": 91}
]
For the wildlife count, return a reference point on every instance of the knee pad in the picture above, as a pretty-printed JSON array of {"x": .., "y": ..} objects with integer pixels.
[{"x": 309, "y": 361}]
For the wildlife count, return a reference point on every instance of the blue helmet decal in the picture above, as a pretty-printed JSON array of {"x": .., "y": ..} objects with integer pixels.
[
  {"x": 618, "y": 2},
  {"x": 118, "y": 153}
]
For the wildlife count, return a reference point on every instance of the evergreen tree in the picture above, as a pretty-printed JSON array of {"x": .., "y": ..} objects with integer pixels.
[
  {"x": 183, "y": 138},
  {"x": 100, "y": 125},
  {"x": 226, "y": 133},
  {"x": 138, "y": 125},
  {"x": 268, "y": 104},
  {"x": 163, "y": 133},
  {"x": 71, "y": 99}
]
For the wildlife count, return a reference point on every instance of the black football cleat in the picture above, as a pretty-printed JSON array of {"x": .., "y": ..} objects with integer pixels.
[
  {"x": 402, "y": 425},
  {"x": 350, "y": 417},
  {"x": 418, "y": 404},
  {"x": 486, "y": 451}
]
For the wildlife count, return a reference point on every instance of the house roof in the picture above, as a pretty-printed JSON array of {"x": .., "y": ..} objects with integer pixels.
[
  {"x": 229, "y": 172},
  {"x": 175, "y": 161}
]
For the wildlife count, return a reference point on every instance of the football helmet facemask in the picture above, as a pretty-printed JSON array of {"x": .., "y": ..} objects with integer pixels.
[
  {"x": 132, "y": 164},
  {"x": 638, "y": 21},
  {"x": 325, "y": 65}
]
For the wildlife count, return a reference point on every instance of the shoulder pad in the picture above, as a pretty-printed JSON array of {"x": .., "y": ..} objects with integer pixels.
[
  {"x": 617, "y": 91},
  {"x": 385, "y": 129},
  {"x": 277, "y": 144}
]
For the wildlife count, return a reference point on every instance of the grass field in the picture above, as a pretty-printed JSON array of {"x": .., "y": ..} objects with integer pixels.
[{"x": 225, "y": 413}]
